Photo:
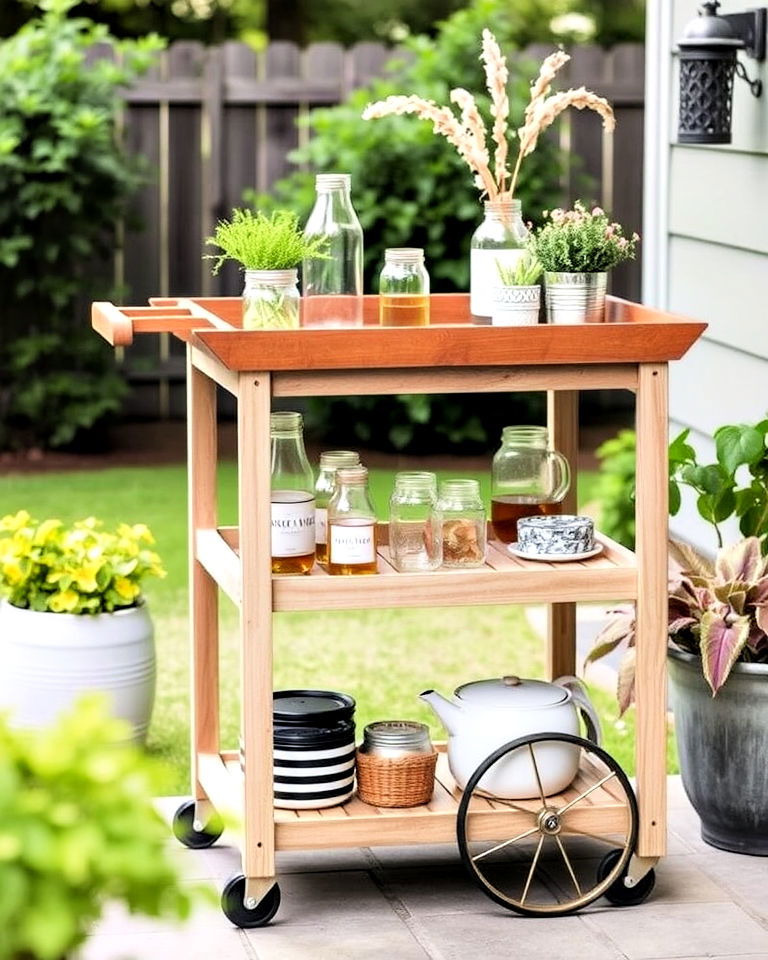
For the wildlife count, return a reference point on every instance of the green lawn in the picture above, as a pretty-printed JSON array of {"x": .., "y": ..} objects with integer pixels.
[{"x": 384, "y": 658}]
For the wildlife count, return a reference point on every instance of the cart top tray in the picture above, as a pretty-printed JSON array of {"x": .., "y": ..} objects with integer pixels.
[{"x": 631, "y": 333}]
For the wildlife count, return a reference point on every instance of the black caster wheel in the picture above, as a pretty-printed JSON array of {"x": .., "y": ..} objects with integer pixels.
[
  {"x": 617, "y": 893},
  {"x": 235, "y": 910},
  {"x": 534, "y": 852},
  {"x": 185, "y": 832}
]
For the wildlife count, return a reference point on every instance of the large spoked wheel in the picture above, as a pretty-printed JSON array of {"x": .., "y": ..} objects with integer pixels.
[
  {"x": 548, "y": 854},
  {"x": 192, "y": 834},
  {"x": 244, "y": 914}
]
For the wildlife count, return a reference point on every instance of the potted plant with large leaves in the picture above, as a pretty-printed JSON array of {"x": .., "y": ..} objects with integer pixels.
[
  {"x": 718, "y": 650},
  {"x": 74, "y": 619},
  {"x": 79, "y": 829}
]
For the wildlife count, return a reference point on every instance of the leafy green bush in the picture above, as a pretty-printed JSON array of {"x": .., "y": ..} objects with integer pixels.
[
  {"x": 615, "y": 487},
  {"x": 78, "y": 829},
  {"x": 64, "y": 182}
]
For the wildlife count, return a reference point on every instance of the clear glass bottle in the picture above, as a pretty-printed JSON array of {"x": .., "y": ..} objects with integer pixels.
[
  {"x": 414, "y": 523},
  {"x": 463, "y": 515},
  {"x": 330, "y": 461},
  {"x": 270, "y": 300},
  {"x": 404, "y": 288},
  {"x": 528, "y": 478},
  {"x": 293, "y": 498},
  {"x": 351, "y": 525},
  {"x": 500, "y": 239},
  {"x": 333, "y": 289}
]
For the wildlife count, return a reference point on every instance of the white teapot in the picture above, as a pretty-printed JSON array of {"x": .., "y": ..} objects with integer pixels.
[{"x": 486, "y": 714}]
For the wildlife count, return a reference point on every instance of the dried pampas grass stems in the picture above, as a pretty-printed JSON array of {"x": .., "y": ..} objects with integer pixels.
[{"x": 469, "y": 134}]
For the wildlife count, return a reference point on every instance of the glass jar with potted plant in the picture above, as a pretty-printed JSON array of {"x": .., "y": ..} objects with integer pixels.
[
  {"x": 718, "y": 640},
  {"x": 74, "y": 618},
  {"x": 269, "y": 251},
  {"x": 577, "y": 248}
]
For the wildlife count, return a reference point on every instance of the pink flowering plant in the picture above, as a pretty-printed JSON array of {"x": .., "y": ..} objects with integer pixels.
[{"x": 581, "y": 241}]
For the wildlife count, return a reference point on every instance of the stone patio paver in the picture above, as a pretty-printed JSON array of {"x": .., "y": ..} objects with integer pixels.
[{"x": 416, "y": 903}]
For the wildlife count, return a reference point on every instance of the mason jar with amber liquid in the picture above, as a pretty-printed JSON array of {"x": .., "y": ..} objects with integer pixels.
[
  {"x": 351, "y": 525},
  {"x": 528, "y": 479},
  {"x": 293, "y": 497},
  {"x": 404, "y": 288}
]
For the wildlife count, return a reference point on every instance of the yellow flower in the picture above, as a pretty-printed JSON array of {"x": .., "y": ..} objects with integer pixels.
[
  {"x": 85, "y": 577},
  {"x": 125, "y": 589},
  {"x": 65, "y": 601},
  {"x": 46, "y": 530},
  {"x": 12, "y": 572},
  {"x": 16, "y": 521}
]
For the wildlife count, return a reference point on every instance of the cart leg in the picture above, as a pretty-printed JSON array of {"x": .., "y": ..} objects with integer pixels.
[
  {"x": 651, "y": 669},
  {"x": 204, "y": 611},
  {"x": 563, "y": 423},
  {"x": 254, "y": 397}
]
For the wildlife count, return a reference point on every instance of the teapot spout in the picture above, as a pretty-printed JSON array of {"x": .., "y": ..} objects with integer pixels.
[{"x": 447, "y": 712}]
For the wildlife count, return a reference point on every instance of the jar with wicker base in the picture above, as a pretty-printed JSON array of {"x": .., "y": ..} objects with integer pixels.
[{"x": 395, "y": 781}]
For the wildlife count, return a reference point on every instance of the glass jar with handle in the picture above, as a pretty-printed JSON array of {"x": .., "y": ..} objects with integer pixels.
[{"x": 528, "y": 478}]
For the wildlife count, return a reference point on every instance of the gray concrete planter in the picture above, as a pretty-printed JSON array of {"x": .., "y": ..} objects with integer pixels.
[{"x": 723, "y": 747}]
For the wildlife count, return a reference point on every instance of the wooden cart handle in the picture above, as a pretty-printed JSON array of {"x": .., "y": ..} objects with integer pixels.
[{"x": 118, "y": 324}]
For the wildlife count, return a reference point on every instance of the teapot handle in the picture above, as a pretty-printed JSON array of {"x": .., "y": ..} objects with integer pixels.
[{"x": 584, "y": 705}]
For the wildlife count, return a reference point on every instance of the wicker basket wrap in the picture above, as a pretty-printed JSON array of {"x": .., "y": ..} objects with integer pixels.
[{"x": 395, "y": 781}]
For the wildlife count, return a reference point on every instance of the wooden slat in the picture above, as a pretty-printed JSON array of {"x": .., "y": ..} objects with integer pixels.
[{"x": 220, "y": 561}]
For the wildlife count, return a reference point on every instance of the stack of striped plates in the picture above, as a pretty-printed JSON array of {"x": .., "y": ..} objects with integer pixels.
[{"x": 314, "y": 748}]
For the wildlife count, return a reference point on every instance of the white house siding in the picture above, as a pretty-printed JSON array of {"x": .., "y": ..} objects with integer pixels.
[{"x": 706, "y": 235}]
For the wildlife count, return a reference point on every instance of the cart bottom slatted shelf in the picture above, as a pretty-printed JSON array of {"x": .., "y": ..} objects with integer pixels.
[{"x": 355, "y": 824}]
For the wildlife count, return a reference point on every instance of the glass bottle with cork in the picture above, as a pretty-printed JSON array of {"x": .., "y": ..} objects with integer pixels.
[
  {"x": 351, "y": 525},
  {"x": 333, "y": 286},
  {"x": 293, "y": 498},
  {"x": 330, "y": 461},
  {"x": 528, "y": 478},
  {"x": 404, "y": 288}
]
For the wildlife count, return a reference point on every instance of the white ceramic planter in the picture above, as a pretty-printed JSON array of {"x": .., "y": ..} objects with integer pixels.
[
  {"x": 50, "y": 659},
  {"x": 516, "y": 306}
]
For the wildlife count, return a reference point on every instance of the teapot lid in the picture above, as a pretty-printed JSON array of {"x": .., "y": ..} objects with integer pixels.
[{"x": 511, "y": 693}]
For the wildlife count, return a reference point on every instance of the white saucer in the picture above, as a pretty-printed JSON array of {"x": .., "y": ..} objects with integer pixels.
[{"x": 556, "y": 557}]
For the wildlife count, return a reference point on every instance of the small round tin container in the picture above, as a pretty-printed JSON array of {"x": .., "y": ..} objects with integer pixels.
[{"x": 564, "y": 535}]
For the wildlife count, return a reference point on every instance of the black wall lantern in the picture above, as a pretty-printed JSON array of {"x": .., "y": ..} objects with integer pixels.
[{"x": 707, "y": 66}]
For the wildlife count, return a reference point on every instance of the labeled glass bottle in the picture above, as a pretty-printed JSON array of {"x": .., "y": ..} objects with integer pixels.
[
  {"x": 528, "y": 479},
  {"x": 499, "y": 240},
  {"x": 404, "y": 288},
  {"x": 333, "y": 288},
  {"x": 351, "y": 525},
  {"x": 414, "y": 523},
  {"x": 293, "y": 497},
  {"x": 270, "y": 300},
  {"x": 330, "y": 461},
  {"x": 463, "y": 516}
]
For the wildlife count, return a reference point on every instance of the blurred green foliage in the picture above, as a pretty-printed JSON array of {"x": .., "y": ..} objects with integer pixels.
[
  {"x": 615, "y": 488},
  {"x": 64, "y": 183},
  {"x": 79, "y": 829}
]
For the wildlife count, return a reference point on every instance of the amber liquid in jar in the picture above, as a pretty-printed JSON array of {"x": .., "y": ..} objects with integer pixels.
[
  {"x": 351, "y": 530},
  {"x": 302, "y": 562},
  {"x": 402, "y": 310},
  {"x": 507, "y": 509}
]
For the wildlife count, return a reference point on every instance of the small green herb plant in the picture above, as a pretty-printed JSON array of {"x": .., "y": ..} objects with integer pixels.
[
  {"x": 260, "y": 242},
  {"x": 526, "y": 272},
  {"x": 81, "y": 569},
  {"x": 581, "y": 241},
  {"x": 78, "y": 830}
]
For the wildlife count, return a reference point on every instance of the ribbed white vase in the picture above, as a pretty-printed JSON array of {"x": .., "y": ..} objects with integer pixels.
[{"x": 50, "y": 659}]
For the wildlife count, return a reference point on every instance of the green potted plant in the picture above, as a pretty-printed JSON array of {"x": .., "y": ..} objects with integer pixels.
[
  {"x": 79, "y": 829},
  {"x": 718, "y": 633},
  {"x": 577, "y": 248},
  {"x": 269, "y": 250},
  {"x": 73, "y": 618},
  {"x": 517, "y": 297}
]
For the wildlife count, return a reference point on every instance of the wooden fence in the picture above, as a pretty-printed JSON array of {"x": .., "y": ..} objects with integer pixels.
[{"x": 214, "y": 121}]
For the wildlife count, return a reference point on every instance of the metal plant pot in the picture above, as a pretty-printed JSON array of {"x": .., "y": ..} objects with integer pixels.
[
  {"x": 575, "y": 297},
  {"x": 722, "y": 743}
]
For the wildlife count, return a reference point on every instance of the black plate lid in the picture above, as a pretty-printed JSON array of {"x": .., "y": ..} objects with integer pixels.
[{"x": 320, "y": 708}]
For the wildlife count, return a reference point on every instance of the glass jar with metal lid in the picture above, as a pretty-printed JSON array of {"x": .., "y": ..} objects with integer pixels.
[{"x": 396, "y": 738}]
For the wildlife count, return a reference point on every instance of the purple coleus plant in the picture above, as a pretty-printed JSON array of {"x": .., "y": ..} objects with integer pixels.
[{"x": 718, "y": 612}]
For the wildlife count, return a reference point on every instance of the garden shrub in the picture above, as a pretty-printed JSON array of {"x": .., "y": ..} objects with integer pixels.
[
  {"x": 64, "y": 183},
  {"x": 410, "y": 188}
]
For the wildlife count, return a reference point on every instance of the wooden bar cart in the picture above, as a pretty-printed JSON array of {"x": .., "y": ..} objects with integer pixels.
[{"x": 630, "y": 351}]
